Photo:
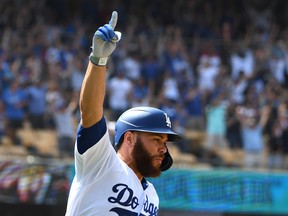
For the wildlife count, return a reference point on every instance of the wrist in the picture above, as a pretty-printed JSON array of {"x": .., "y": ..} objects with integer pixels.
[{"x": 98, "y": 61}]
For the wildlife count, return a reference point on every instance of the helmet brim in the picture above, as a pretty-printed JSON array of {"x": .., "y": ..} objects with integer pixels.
[{"x": 173, "y": 137}]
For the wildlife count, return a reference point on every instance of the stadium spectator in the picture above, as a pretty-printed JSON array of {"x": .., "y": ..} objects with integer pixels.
[
  {"x": 278, "y": 139},
  {"x": 119, "y": 94},
  {"x": 15, "y": 101},
  {"x": 242, "y": 60},
  {"x": 6, "y": 75},
  {"x": 277, "y": 63},
  {"x": 151, "y": 70},
  {"x": 215, "y": 112},
  {"x": 207, "y": 73},
  {"x": 194, "y": 104},
  {"x": 132, "y": 66},
  {"x": 233, "y": 132},
  {"x": 36, "y": 104},
  {"x": 54, "y": 97},
  {"x": 237, "y": 88},
  {"x": 141, "y": 93},
  {"x": 179, "y": 126},
  {"x": 170, "y": 89},
  {"x": 253, "y": 120},
  {"x": 76, "y": 73},
  {"x": 64, "y": 119}
]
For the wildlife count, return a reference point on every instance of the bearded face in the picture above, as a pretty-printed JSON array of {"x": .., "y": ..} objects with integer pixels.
[{"x": 146, "y": 162}]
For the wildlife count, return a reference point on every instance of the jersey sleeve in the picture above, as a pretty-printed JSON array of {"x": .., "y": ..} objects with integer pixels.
[
  {"x": 87, "y": 137},
  {"x": 94, "y": 153}
]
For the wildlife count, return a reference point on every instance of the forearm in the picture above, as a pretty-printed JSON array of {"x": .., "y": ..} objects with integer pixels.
[
  {"x": 93, "y": 87},
  {"x": 92, "y": 95}
]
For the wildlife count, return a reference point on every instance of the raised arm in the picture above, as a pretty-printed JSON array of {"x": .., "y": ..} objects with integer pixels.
[{"x": 93, "y": 87}]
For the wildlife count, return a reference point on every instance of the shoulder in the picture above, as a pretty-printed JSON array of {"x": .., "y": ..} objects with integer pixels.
[{"x": 88, "y": 137}]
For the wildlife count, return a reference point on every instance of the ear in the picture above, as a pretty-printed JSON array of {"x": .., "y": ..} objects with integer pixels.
[{"x": 129, "y": 138}]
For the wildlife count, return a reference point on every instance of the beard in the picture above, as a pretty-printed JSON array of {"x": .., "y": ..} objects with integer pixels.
[{"x": 144, "y": 161}]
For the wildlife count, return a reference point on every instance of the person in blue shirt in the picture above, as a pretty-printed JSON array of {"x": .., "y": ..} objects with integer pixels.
[
  {"x": 36, "y": 104},
  {"x": 15, "y": 101}
]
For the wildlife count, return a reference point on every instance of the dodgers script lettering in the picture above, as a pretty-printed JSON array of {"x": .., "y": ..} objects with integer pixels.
[{"x": 124, "y": 196}]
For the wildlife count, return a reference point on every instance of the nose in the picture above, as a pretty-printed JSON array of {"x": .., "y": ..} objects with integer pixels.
[{"x": 163, "y": 148}]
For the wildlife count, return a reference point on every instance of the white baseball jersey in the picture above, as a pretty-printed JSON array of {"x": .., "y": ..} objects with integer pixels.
[{"x": 103, "y": 184}]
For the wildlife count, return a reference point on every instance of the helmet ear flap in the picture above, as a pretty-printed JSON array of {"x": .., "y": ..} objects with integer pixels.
[{"x": 167, "y": 162}]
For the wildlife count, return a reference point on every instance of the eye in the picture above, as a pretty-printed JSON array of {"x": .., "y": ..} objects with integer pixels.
[{"x": 157, "y": 140}]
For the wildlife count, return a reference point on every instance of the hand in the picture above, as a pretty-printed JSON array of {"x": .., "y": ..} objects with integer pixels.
[{"x": 104, "y": 41}]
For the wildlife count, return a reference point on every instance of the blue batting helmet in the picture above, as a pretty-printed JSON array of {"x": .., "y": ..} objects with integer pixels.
[{"x": 147, "y": 119}]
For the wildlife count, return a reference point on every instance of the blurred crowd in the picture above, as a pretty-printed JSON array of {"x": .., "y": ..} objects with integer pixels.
[{"x": 219, "y": 67}]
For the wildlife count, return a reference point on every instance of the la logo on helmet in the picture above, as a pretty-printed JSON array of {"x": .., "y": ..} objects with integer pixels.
[{"x": 168, "y": 122}]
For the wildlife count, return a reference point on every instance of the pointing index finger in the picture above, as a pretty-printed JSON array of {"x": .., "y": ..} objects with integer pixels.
[{"x": 113, "y": 20}]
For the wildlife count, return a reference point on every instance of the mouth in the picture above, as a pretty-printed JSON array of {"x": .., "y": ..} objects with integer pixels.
[{"x": 159, "y": 158}]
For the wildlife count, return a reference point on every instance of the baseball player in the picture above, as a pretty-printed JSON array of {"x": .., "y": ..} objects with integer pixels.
[{"x": 109, "y": 182}]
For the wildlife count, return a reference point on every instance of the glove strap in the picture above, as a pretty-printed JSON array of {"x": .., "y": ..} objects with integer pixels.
[{"x": 98, "y": 61}]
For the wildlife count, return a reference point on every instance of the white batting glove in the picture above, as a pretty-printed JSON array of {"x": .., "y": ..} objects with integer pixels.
[{"x": 104, "y": 41}]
